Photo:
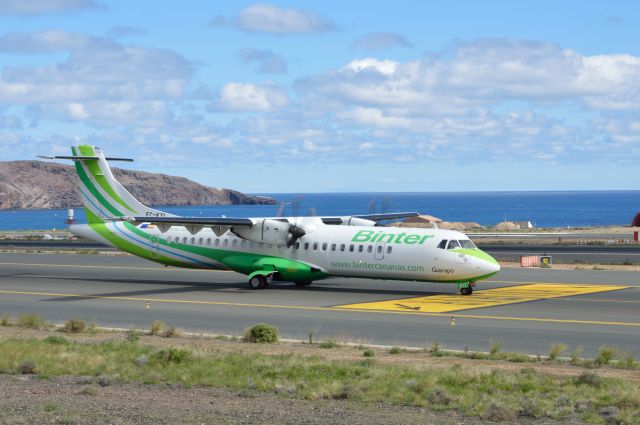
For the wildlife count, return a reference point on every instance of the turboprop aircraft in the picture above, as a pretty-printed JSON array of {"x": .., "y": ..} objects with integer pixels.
[{"x": 294, "y": 249}]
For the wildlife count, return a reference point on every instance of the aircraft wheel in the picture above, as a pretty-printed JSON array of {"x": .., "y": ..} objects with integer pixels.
[
  {"x": 466, "y": 291},
  {"x": 258, "y": 282},
  {"x": 303, "y": 283}
]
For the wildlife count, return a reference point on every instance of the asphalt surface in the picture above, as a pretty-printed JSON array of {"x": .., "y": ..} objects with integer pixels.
[
  {"x": 114, "y": 291},
  {"x": 600, "y": 254},
  {"x": 603, "y": 254}
]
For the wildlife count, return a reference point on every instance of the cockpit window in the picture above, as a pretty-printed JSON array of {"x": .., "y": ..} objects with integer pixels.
[
  {"x": 453, "y": 244},
  {"x": 466, "y": 243},
  {"x": 443, "y": 244}
]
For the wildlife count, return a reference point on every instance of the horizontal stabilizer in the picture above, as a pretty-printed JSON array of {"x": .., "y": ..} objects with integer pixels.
[{"x": 85, "y": 158}]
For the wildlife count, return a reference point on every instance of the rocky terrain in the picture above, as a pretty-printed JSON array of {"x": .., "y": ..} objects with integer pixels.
[{"x": 37, "y": 184}]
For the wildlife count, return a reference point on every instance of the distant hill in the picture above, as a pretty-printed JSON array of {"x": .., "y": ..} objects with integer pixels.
[{"x": 37, "y": 184}]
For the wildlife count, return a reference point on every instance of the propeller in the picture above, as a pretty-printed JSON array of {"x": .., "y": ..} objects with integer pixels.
[
  {"x": 295, "y": 233},
  {"x": 384, "y": 207}
]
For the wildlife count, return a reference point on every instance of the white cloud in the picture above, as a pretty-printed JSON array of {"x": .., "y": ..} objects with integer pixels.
[
  {"x": 96, "y": 69},
  {"x": 380, "y": 41},
  {"x": 278, "y": 20},
  {"x": 38, "y": 7},
  {"x": 247, "y": 97},
  {"x": 268, "y": 62}
]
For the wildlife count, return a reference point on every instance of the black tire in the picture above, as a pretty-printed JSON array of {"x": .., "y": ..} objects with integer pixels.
[
  {"x": 258, "y": 282},
  {"x": 466, "y": 291}
]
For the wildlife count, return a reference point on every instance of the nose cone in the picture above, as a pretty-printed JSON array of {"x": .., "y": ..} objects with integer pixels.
[{"x": 487, "y": 264}]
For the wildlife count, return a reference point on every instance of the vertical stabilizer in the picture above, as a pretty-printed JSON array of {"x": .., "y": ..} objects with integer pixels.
[{"x": 103, "y": 196}]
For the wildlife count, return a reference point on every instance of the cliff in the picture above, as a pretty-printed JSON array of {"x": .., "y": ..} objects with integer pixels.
[{"x": 37, "y": 184}]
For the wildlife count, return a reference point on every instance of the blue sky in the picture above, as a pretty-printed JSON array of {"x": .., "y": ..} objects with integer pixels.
[{"x": 331, "y": 96}]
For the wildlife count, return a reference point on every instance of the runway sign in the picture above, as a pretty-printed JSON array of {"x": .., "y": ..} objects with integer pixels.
[{"x": 483, "y": 298}]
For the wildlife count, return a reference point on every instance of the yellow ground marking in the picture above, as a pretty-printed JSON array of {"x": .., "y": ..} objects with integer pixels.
[
  {"x": 75, "y": 266},
  {"x": 332, "y": 309},
  {"x": 484, "y": 298}
]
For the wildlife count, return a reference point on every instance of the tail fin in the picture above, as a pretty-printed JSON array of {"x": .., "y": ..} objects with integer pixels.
[{"x": 103, "y": 196}]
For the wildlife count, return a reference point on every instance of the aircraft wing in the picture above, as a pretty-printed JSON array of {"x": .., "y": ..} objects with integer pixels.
[
  {"x": 195, "y": 221},
  {"x": 387, "y": 216}
]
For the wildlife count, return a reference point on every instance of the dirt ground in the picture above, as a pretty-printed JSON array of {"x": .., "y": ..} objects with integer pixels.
[{"x": 82, "y": 400}]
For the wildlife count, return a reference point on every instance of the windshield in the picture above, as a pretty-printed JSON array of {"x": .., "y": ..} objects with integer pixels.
[
  {"x": 466, "y": 243},
  {"x": 453, "y": 244}
]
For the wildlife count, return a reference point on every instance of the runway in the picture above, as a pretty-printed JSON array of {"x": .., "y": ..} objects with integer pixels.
[{"x": 578, "y": 307}]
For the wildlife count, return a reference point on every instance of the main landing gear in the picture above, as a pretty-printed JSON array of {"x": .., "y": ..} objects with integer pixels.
[
  {"x": 259, "y": 281},
  {"x": 466, "y": 288}
]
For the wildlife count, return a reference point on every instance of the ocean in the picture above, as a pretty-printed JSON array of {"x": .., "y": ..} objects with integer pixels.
[{"x": 543, "y": 209}]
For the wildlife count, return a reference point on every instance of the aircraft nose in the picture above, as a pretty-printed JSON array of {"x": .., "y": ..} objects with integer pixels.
[{"x": 489, "y": 264}]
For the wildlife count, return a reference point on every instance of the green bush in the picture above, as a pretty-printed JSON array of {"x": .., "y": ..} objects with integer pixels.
[
  {"x": 495, "y": 346},
  {"x": 589, "y": 378},
  {"x": 6, "y": 321},
  {"x": 157, "y": 327},
  {"x": 28, "y": 368},
  {"x": 261, "y": 333},
  {"x": 606, "y": 353},
  {"x": 556, "y": 350},
  {"x": 172, "y": 332},
  {"x": 328, "y": 344},
  {"x": 31, "y": 321},
  {"x": 56, "y": 340},
  {"x": 174, "y": 355},
  {"x": 369, "y": 353},
  {"x": 396, "y": 350},
  {"x": 74, "y": 326}
]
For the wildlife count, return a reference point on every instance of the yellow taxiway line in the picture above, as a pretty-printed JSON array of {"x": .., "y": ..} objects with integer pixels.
[
  {"x": 484, "y": 298},
  {"x": 332, "y": 309}
]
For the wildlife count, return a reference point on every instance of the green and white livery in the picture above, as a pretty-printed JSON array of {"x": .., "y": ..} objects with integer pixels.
[{"x": 295, "y": 249}]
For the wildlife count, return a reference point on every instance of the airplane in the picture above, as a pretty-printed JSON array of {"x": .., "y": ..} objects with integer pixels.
[{"x": 292, "y": 249}]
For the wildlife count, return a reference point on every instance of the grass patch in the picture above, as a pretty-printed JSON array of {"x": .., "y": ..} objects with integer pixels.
[
  {"x": 6, "y": 320},
  {"x": 172, "y": 332},
  {"x": 368, "y": 353},
  {"x": 262, "y": 333},
  {"x": 491, "y": 394},
  {"x": 396, "y": 350}
]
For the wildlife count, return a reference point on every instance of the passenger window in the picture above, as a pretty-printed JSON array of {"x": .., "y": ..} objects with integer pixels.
[
  {"x": 370, "y": 248},
  {"x": 217, "y": 242},
  {"x": 193, "y": 241},
  {"x": 200, "y": 241},
  {"x": 324, "y": 246},
  {"x": 351, "y": 247},
  {"x": 306, "y": 245},
  {"x": 234, "y": 242},
  {"x": 184, "y": 240},
  {"x": 226, "y": 242},
  {"x": 389, "y": 249},
  {"x": 208, "y": 241},
  {"x": 252, "y": 244},
  {"x": 342, "y": 247},
  {"x": 360, "y": 248},
  {"x": 379, "y": 249},
  {"x": 453, "y": 244},
  {"x": 333, "y": 247},
  {"x": 297, "y": 245},
  {"x": 243, "y": 243},
  {"x": 315, "y": 246},
  {"x": 443, "y": 244}
]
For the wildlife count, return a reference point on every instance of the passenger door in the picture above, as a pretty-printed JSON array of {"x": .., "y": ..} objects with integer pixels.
[{"x": 154, "y": 246}]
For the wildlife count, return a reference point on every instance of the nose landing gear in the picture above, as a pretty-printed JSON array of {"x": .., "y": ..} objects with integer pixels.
[{"x": 466, "y": 288}]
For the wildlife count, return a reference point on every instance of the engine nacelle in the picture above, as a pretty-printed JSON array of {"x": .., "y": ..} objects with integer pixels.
[
  {"x": 267, "y": 231},
  {"x": 355, "y": 221}
]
